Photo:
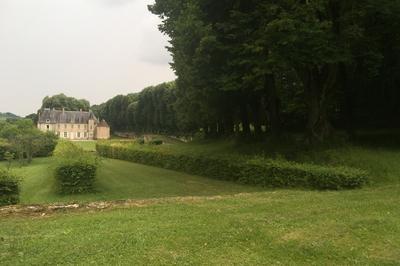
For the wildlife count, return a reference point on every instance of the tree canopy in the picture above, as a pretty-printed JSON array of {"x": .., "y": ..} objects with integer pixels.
[
  {"x": 151, "y": 111},
  {"x": 273, "y": 66},
  {"x": 60, "y": 101}
]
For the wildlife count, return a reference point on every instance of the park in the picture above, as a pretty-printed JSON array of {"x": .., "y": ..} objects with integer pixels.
[{"x": 264, "y": 133}]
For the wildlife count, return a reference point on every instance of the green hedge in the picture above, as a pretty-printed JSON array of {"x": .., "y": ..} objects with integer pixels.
[
  {"x": 262, "y": 172},
  {"x": 75, "y": 169},
  {"x": 77, "y": 177},
  {"x": 9, "y": 188}
]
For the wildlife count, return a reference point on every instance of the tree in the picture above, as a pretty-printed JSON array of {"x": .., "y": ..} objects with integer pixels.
[
  {"x": 268, "y": 64},
  {"x": 62, "y": 101}
]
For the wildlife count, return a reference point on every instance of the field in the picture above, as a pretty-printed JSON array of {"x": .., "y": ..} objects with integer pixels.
[
  {"x": 281, "y": 227},
  {"x": 227, "y": 224},
  {"x": 122, "y": 180}
]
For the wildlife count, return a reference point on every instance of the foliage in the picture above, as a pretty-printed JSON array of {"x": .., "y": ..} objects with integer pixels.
[
  {"x": 156, "y": 142},
  {"x": 26, "y": 141},
  {"x": 75, "y": 169},
  {"x": 4, "y": 147},
  {"x": 277, "y": 66},
  {"x": 150, "y": 111},
  {"x": 9, "y": 157},
  {"x": 8, "y": 116},
  {"x": 34, "y": 117},
  {"x": 267, "y": 173},
  {"x": 120, "y": 180},
  {"x": 62, "y": 101},
  {"x": 9, "y": 188}
]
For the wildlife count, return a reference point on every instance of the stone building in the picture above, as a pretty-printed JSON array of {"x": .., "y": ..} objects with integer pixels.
[{"x": 73, "y": 125}]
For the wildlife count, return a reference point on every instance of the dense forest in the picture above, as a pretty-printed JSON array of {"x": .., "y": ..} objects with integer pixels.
[
  {"x": 269, "y": 68},
  {"x": 150, "y": 111},
  {"x": 280, "y": 66}
]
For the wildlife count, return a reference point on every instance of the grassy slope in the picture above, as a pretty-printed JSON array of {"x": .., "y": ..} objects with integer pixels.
[
  {"x": 122, "y": 180},
  {"x": 89, "y": 145},
  {"x": 289, "y": 227},
  {"x": 284, "y": 226}
]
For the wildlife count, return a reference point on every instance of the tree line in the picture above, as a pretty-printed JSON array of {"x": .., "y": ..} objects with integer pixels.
[
  {"x": 150, "y": 111},
  {"x": 264, "y": 66}
]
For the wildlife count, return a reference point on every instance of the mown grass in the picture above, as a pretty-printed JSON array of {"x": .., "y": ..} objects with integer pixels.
[
  {"x": 283, "y": 227},
  {"x": 87, "y": 145},
  {"x": 121, "y": 180},
  {"x": 289, "y": 227}
]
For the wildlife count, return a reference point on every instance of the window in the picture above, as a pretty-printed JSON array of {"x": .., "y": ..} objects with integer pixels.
[
  {"x": 48, "y": 127},
  {"x": 85, "y": 134},
  {"x": 65, "y": 134},
  {"x": 78, "y": 134},
  {"x": 72, "y": 126},
  {"x": 79, "y": 126}
]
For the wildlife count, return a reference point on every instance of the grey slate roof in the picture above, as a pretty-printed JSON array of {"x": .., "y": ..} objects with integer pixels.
[{"x": 48, "y": 116}]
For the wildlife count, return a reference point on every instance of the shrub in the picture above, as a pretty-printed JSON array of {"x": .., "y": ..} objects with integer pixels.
[
  {"x": 140, "y": 141},
  {"x": 262, "y": 172},
  {"x": 47, "y": 143},
  {"x": 76, "y": 177},
  {"x": 9, "y": 188},
  {"x": 156, "y": 142},
  {"x": 4, "y": 147},
  {"x": 75, "y": 169}
]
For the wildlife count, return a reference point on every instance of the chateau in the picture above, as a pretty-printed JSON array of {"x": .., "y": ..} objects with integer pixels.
[{"x": 73, "y": 125}]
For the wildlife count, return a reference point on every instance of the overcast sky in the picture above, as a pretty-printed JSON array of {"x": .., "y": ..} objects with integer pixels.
[{"x": 92, "y": 49}]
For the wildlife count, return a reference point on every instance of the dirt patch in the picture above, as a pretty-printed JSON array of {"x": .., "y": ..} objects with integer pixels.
[{"x": 43, "y": 210}]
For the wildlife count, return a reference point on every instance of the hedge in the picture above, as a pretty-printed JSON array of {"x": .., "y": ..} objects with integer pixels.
[
  {"x": 9, "y": 188},
  {"x": 76, "y": 177},
  {"x": 75, "y": 170},
  {"x": 261, "y": 172}
]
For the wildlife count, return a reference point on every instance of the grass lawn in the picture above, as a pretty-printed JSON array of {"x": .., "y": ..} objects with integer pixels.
[
  {"x": 122, "y": 180},
  {"x": 283, "y": 227},
  {"x": 289, "y": 227},
  {"x": 87, "y": 145}
]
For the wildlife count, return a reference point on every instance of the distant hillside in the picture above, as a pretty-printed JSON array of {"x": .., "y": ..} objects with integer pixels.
[{"x": 5, "y": 116}]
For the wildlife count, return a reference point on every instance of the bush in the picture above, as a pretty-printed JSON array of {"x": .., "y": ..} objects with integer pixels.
[
  {"x": 156, "y": 142},
  {"x": 47, "y": 142},
  {"x": 77, "y": 177},
  {"x": 9, "y": 188},
  {"x": 262, "y": 172},
  {"x": 4, "y": 147},
  {"x": 140, "y": 141},
  {"x": 75, "y": 169}
]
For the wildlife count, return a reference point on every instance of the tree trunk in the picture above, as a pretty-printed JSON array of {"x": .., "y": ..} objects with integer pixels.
[
  {"x": 255, "y": 107},
  {"x": 273, "y": 107},
  {"x": 318, "y": 86},
  {"x": 244, "y": 118}
]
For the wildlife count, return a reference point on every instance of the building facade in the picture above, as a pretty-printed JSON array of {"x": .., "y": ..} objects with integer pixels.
[{"x": 73, "y": 125}]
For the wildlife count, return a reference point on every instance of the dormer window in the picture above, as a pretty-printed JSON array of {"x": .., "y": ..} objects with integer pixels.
[{"x": 47, "y": 121}]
